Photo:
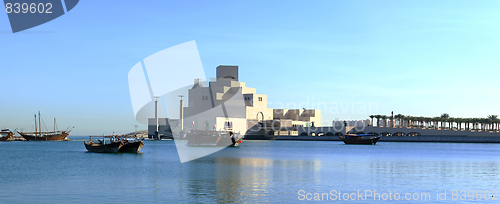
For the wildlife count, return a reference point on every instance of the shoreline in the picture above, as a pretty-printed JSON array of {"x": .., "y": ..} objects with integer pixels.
[{"x": 434, "y": 138}]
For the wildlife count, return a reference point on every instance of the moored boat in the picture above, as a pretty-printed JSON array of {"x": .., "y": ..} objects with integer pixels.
[
  {"x": 359, "y": 139},
  {"x": 132, "y": 146},
  {"x": 103, "y": 146},
  {"x": 209, "y": 138},
  {"x": 116, "y": 143},
  {"x": 45, "y": 136},
  {"x": 38, "y": 135},
  {"x": 6, "y": 135}
]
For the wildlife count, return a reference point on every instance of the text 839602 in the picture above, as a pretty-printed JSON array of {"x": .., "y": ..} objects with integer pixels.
[
  {"x": 474, "y": 195},
  {"x": 28, "y": 8}
]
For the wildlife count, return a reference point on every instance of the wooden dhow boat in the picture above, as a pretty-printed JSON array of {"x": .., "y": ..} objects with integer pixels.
[
  {"x": 6, "y": 135},
  {"x": 38, "y": 135},
  {"x": 207, "y": 138},
  {"x": 103, "y": 146},
  {"x": 131, "y": 146},
  {"x": 360, "y": 139},
  {"x": 116, "y": 143}
]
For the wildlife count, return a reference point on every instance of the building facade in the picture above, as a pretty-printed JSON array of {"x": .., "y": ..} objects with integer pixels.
[{"x": 228, "y": 104}]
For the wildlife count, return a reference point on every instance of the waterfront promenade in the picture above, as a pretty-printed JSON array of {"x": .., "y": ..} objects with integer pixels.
[{"x": 388, "y": 134}]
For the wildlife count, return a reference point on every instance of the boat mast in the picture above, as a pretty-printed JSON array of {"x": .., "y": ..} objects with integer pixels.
[
  {"x": 36, "y": 128},
  {"x": 54, "y": 124},
  {"x": 39, "y": 123}
]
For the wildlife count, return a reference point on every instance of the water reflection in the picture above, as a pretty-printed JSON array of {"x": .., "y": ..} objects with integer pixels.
[
  {"x": 261, "y": 171},
  {"x": 228, "y": 179},
  {"x": 418, "y": 175}
]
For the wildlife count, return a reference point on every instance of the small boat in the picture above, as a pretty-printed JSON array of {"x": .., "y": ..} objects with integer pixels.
[
  {"x": 359, "y": 138},
  {"x": 103, "y": 146},
  {"x": 38, "y": 135},
  {"x": 6, "y": 135},
  {"x": 207, "y": 138},
  {"x": 132, "y": 146}
]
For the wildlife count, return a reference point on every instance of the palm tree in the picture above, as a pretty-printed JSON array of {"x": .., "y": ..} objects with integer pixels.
[
  {"x": 384, "y": 117},
  {"x": 399, "y": 117},
  {"x": 497, "y": 121},
  {"x": 404, "y": 119},
  {"x": 450, "y": 123},
  {"x": 444, "y": 118},
  {"x": 378, "y": 120},
  {"x": 476, "y": 123},
  {"x": 459, "y": 121},
  {"x": 484, "y": 121},
  {"x": 473, "y": 121},
  {"x": 411, "y": 121},
  {"x": 420, "y": 121},
  {"x": 492, "y": 119},
  {"x": 436, "y": 122},
  {"x": 372, "y": 116},
  {"x": 480, "y": 121},
  {"x": 467, "y": 123},
  {"x": 428, "y": 121}
]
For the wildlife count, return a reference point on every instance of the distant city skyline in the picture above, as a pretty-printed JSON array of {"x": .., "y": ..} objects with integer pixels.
[{"x": 419, "y": 58}]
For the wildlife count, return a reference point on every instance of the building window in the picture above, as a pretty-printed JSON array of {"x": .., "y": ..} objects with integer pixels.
[
  {"x": 228, "y": 125},
  {"x": 260, "y": 98}
]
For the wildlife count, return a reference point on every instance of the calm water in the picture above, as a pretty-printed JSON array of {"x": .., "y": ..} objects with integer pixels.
[{"x": 259, "y": 171}]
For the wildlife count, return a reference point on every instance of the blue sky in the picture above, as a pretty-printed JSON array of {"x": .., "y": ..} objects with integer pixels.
[{"x": 419, "y": 58}]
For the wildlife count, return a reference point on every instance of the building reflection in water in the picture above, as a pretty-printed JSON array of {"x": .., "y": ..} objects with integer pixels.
[{"x": 227, "y": 179}]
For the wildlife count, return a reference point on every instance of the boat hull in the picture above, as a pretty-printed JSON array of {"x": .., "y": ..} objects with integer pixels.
[
  {"x": 103, "y": 148},
  {"x": 51, "y": 137},
  {"x": 202, "y": 138},
  {"x": 7, "y": 136},
  {"x": 212, "y": 142},
  {"x": 132, "y": 147},
  {"x": 360, "y": 140}
]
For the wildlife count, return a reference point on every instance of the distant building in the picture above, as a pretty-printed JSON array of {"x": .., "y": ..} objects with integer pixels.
[
  {"x": 165, "y": 126},
  {"x": 298, "y": 117},
  {"x": 228, "y": 104}
]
